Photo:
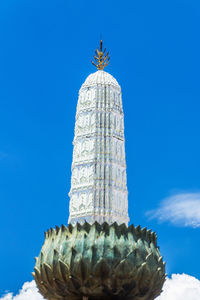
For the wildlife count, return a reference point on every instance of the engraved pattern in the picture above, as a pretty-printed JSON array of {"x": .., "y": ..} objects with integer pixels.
[
  {"x": 98, "y": 183},
  {"x": 83, "y": 150}
]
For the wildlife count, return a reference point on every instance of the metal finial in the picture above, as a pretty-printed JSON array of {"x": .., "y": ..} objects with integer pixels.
[{"x": 101, "y": 59}]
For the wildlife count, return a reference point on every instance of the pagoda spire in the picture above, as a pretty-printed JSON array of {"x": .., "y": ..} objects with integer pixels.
[
  {"x": 98, "y": 183},
  {"x": 97, "y": 256}
]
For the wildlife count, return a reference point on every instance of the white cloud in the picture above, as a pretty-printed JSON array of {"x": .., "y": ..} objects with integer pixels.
[
  {"x": 180, "y": 209},
  {"x": 29, "y": 291},
  {"x": 178, "y": 287}
]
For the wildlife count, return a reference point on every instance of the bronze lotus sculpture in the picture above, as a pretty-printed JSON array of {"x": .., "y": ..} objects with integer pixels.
[{"x": 100, "y": 262}]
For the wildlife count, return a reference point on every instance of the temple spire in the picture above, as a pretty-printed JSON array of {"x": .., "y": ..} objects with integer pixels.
[
  {"x": 98, "y": 183},
  {"x": 101, "y": 59}
]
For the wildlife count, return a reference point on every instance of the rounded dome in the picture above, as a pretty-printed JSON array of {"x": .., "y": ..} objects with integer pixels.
[{"x": 100, "y": 77}]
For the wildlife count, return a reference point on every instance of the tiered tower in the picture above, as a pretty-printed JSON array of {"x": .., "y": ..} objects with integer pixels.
[
  {"x": 98, "y": 183},
  {"x": 97, "y": 257}
]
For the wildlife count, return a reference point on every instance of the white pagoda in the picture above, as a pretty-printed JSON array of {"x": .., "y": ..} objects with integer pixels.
[
  {"x": 98, "y": 182},
  {"x": 97, "y": 257}
]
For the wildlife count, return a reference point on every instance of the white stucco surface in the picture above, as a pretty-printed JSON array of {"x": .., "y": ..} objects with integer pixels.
[{"x": 98, "y": 183}]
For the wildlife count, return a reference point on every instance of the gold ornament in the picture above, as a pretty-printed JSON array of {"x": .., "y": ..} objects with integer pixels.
[{"x": 101, "y": 59}]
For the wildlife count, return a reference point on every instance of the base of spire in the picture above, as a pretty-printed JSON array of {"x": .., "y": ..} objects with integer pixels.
[{"x": 100, "y": 262}]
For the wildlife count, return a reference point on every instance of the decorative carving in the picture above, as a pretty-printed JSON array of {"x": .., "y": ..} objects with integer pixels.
[
  {"x": 81, "y": 201},
  {"x": 82, "y": 175},
  {"x": 83, "y": 150},
  {"x": 86, "y": 99},
  {"x": 85, "y": 124}
]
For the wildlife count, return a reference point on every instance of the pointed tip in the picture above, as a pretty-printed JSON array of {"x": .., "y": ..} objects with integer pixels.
[
  {"x": 63, "y": 228},
  {"x": 138, "y": 228},
  {"x": 57, "y": 229}
]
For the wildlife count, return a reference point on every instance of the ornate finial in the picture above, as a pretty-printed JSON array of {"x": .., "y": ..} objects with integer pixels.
[{"x": 101, "y": 59}]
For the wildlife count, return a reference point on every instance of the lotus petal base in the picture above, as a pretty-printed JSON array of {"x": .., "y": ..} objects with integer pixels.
[{"x": 101, "y": 262}]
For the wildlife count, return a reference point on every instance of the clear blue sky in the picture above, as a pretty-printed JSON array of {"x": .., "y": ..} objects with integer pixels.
[{"x": 45, "y": 52}]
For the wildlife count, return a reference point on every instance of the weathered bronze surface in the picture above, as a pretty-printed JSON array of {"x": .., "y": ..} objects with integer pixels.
[
  {"x": 100, "y": 262},
  {"x": 101, "y": 59}
]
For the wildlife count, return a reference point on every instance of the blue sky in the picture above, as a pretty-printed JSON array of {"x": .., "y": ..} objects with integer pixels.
[{"x": 45, "y": 53}]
